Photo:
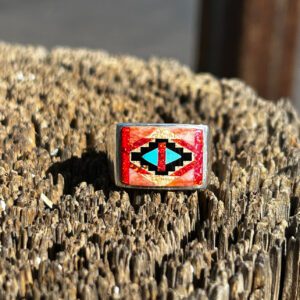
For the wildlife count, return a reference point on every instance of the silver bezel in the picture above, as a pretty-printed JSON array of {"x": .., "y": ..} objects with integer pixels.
[{"x": 114, "y": 147}]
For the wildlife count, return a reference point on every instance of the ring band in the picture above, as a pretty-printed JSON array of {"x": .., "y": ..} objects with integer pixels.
[{"x": 159, "y": 156}]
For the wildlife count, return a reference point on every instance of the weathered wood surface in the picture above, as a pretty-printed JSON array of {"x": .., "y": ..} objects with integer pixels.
[{"x": 67, "y": 232}]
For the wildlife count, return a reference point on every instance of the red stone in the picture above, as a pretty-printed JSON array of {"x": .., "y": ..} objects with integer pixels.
[{"x": 161, "y": 157}]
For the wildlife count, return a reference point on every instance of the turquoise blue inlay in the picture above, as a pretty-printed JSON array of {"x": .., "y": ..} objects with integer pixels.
[
  {"x": 152, "y": 156},
  {"x": 171, "y": 156}
]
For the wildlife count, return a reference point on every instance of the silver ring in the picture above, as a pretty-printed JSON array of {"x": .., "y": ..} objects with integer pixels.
[{"x": 159, "y": 156}]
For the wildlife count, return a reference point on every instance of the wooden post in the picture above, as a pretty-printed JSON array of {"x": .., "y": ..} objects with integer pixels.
[
  {"x": 66, "y": 230},
  {"x": 219, "y": 29},
  {"x": 255, "y": 40}
]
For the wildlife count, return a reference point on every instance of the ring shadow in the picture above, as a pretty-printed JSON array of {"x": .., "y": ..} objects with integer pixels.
[{"x": 91, "y": 167}]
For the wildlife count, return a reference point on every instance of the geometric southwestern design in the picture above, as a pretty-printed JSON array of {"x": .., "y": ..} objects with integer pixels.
[{"x": 161, "y": 156}]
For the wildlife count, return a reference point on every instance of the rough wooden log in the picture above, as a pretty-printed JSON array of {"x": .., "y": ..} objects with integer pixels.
[{"x": 67, "y": 232}]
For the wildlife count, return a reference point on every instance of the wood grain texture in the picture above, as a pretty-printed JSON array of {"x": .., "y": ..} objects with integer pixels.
[
  {"x": 67, "y": 232},
  {"x": 252, "y": 40},
  {"x": 269, "y": 46}
]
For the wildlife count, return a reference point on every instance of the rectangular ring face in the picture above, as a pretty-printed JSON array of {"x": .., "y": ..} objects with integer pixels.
[{"x": 163, "y": 156}]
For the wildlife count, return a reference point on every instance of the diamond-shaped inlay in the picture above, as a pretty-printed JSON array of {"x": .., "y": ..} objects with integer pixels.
[
  {"x": 161, "y": 156},
  {"x": 152, "y": 156}
]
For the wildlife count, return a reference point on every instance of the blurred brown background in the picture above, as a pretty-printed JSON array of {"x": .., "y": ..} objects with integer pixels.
[{"x": 256, "y": 40}]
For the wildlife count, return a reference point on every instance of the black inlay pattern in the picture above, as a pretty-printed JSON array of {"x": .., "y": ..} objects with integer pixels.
[{"x": 170, "y": 167}]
